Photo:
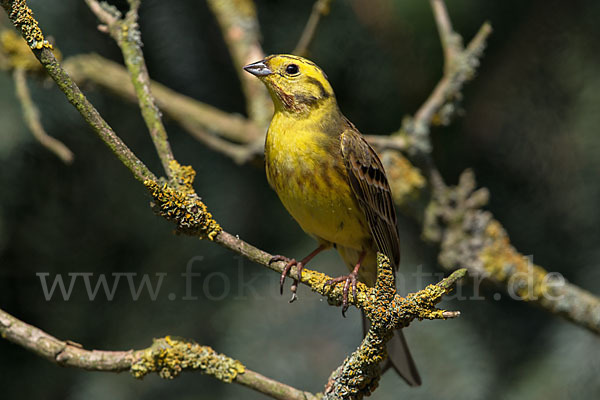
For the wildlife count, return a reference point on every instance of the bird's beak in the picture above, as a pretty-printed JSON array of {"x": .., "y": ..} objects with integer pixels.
[{"x": 258, "y": 68}]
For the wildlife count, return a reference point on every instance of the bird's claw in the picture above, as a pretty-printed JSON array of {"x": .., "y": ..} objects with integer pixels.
[
  {"x": 290, "y": 262},
  {"x": 349, "y": 280}
]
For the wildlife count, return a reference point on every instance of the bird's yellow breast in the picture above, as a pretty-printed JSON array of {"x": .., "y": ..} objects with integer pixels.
[{"x": 304, "y": 165}]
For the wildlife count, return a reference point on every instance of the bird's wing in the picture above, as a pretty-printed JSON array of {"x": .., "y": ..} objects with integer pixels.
[{"x": 370, "y": 186}]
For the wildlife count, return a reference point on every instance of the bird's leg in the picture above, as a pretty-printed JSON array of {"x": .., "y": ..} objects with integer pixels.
[
  {"x": 299, "y": 265},
  {"x": 348, "y": 280}
]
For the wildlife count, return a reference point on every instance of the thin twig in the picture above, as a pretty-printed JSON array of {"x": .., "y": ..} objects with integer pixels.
[
  {"x": 185, "y": 110},
  {"x": 320, "y": 9},
  {"x": 453, "y": 80},
  {"x": 381, "y": 142},
  {"x": 240, "y": 154},
  {"x": 31, "y": 115},
  {"x": 127, "y": 35},
  {"x": 239, "y": 24},
  {"x": 451, "y": 42}
]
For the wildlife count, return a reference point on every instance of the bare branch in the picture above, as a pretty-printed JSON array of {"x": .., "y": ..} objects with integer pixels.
[
  {"x": 320, "y": 9},
  {"x": 451, "y": 42},
  {"x": 455, "y": 76},
  {"x": 385, "y": 142},
  {"x": 109, "y": 75},
  {"x": 31, "y": 115},
  {"x": 240, "y": 28},
  {"x": 64, "y": 353},
  {"x": 127, "y": 35}
]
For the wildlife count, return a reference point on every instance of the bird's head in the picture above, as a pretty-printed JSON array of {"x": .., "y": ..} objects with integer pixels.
[{"x": 296, "y": 84}]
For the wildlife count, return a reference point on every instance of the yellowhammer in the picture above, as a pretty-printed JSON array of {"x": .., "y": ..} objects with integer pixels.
[{"x": 329, "y": 179}]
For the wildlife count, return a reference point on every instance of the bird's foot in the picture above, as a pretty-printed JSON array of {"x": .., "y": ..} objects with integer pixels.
[
  {"x": 290, "y": 262},
  {"x": 349, "y": 280}
]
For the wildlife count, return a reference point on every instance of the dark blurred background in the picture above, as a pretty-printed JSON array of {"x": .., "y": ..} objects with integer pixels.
[{"x": 529, "y": 130}]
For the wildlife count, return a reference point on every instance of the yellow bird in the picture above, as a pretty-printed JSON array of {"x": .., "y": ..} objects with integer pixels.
[{"x": 330, "y": 180}]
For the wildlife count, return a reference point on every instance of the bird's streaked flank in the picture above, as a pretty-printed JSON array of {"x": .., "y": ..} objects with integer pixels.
[{"x": 330, "y": 180}]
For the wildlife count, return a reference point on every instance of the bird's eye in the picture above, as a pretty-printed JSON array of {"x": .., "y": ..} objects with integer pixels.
[{"x": 291, "y": 69}]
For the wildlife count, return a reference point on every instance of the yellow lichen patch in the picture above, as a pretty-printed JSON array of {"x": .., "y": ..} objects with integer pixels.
[
  {"x": 504, "y": 264},
  {"x": 405, "y": 180},
  {"x": 184, "y": 174},
  {"x": 421, "y": 305},
  {"x": 169, "y": 357},
  {"x": 316, "y": 280},
  {"x": 184, "y": 208},
  {"x": 22, "y": 17}
]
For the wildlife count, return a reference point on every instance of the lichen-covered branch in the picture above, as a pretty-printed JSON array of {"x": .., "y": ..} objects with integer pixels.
[
  {"x": 359, "y": 375},
  {"x": 124, "y": 30},
  {"x": 471, "y": 238},
  {"x": 22, "y": 18},
  {"x": 64, "y": 353},
  {"x": 167, "y": 357},
  {"x": 31, "y": 115},
  {"x": 241, "y": 31},
  {"x": 320, "y": 9}
]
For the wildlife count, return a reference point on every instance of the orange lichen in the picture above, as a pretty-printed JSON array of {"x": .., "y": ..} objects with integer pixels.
[{"x": 22, "y": 17}]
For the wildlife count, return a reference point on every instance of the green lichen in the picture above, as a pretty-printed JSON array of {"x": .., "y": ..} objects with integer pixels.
[
  {"x": 22, "y": 17},
  {"x": 169, "y": 357}
]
